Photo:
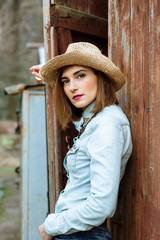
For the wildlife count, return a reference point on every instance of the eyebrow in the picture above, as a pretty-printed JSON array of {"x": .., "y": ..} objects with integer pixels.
[{"x": 81, "y": 70}]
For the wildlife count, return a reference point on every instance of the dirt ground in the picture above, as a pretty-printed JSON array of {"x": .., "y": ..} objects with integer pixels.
[{"x": 9, "y": 182}]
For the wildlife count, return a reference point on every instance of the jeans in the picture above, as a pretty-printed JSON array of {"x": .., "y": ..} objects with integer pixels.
[{"x": 96, "y": 233}]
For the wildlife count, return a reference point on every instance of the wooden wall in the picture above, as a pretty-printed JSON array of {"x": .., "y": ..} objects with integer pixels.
[
  {"x": 97, "y": 8},
  {"x": 134, "y": 45}
]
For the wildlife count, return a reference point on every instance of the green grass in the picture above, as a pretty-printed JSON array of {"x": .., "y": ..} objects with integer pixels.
[
  {"x": 5, "y": 172},
  {"x": 8, "y": 142},
  {"x": 8, "y": 171},
  {"x": 2, "y": 214},
  {"x": 7, "y": 192}
]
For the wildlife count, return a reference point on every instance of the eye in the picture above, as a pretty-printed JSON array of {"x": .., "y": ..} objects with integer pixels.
[
  {"x": 65, "y": 81},
  {"x": 81, "y": 75}
]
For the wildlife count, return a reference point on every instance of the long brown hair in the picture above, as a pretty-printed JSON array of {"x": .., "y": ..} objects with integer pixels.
[{"x": 66, "y": 112}]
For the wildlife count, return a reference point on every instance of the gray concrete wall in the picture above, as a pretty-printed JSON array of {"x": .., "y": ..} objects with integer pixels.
[{"x": 21, "y": 22}]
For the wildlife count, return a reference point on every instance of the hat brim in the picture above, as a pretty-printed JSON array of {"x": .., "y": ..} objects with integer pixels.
[{"x": 97, "y": 61}]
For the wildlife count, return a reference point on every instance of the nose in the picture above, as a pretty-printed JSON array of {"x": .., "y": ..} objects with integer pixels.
[{"x": 73, "y": 86}]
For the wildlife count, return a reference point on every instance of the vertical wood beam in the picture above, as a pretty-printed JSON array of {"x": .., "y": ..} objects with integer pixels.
[
  {"x": 55, "y": 41},
  {"x": 140, "y": 208},
  {"x": 119, "y": 31},
  {"x": 64, "y": 39},
  {"x": 50, "y": 51},
  {"x": 154, "y": 118},
  {"x": 119, "y": 45},
  {"x": 134, "y": 35}
]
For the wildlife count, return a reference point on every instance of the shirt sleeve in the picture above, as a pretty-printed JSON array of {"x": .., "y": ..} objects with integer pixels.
[{"x": 104, "y": 149}]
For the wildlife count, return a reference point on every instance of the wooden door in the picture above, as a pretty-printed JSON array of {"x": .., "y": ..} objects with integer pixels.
[{"x": 65, "y": 22}]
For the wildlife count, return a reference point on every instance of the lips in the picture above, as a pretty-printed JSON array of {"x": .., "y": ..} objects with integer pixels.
[{"x": 77, "y": 96}]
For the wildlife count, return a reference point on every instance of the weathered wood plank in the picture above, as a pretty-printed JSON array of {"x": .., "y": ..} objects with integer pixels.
[
  {"x": 91, "y": 7},
  {"x": 78, "y": 21},
  {"x": 154, "y": 118},
  {"x": 88, "y": 6},
  {"x": 119, "y": 51},
  {"x": 46, "y": 23},
  {"x": 50, "y": 145},
  {"x": 119, "y": 46},
  {"x": 49, "y": 108},
  {"x": 67, "y": 3},
  {"x": 101, "y": 8},
  {"x": 83, "y": 5},
  {"x": 64, "y": 39},
  {"x": 51, "y": 47},
  {"x": 139, "y": 119},
  {"x": 128, "y": 48}
]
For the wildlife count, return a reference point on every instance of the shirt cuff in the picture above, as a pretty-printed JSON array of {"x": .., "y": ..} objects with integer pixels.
[{"x": 51, "y": 227}]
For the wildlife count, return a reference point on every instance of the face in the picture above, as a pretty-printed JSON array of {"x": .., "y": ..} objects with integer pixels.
[{"x": 80, "y": 85}]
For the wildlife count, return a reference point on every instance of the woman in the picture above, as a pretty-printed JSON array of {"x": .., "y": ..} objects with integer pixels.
[{"x": 85, "y": 84}]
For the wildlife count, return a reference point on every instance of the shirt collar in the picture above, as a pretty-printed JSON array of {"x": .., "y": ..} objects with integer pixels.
[
  {"x": 88, "y": 111},
  {"x": 86, "y": 114}
]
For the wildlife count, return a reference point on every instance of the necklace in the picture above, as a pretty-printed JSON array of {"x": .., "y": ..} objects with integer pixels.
[{"x": 84, "y": 125}]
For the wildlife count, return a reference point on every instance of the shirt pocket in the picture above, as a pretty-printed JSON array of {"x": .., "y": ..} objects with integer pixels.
[{"x": 72, "y": 157}]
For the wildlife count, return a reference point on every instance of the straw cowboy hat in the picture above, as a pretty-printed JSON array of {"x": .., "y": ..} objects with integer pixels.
[{"x": 83, "y": 54}]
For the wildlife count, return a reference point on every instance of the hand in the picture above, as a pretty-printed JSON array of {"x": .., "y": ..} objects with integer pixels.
[
  {"x": 35, "y": 71},
  {"x": 43, "y": 233}
]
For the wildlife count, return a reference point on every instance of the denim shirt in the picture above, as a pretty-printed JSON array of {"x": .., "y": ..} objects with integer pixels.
[{"x": 95, "y": 165}]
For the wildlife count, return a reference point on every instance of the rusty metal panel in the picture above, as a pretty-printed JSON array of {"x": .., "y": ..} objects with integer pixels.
[{"x": 34, "y": 169}]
